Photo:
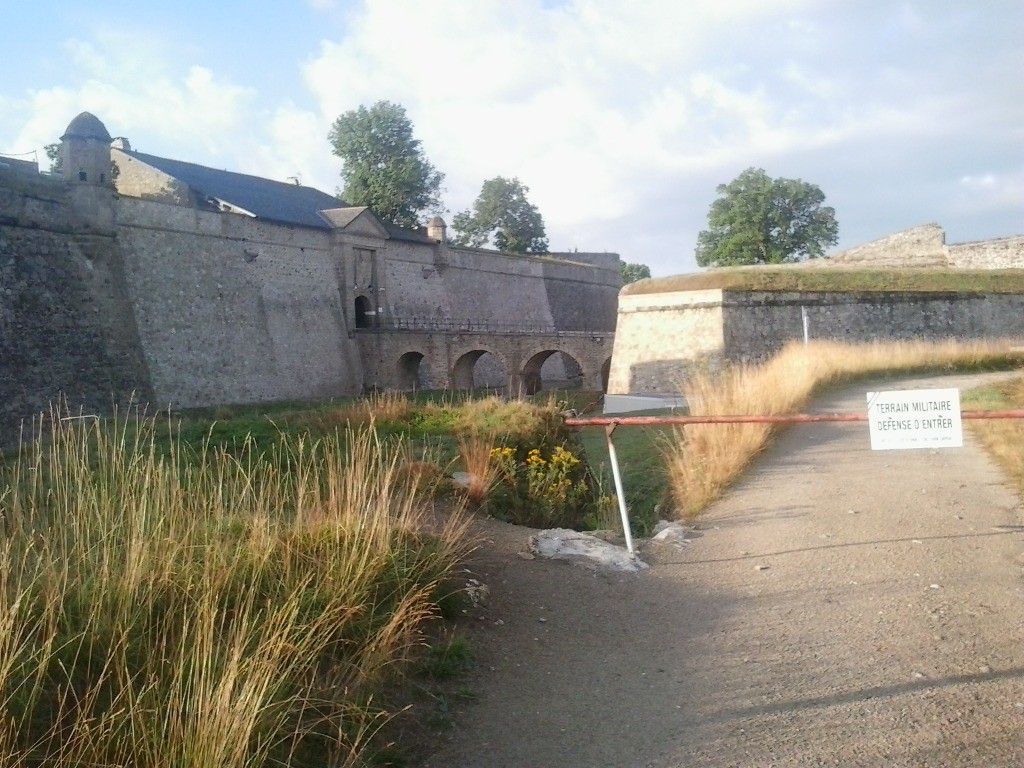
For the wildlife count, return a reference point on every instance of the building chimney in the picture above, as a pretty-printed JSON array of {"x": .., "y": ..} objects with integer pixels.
[{"x": 437, "y": 229}]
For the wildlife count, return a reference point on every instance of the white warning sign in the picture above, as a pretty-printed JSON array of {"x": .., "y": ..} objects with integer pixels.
[{"x": 915, "y": 418}]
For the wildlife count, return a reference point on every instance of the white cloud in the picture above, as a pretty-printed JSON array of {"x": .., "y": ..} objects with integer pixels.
[
  {"x": 620, "y": 117},
  {"x": 987, "y": 191}
]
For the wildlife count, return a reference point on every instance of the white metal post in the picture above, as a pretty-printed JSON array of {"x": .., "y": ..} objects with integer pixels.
[
  {"x": 619, "y": 494},
  {"x": 807, "y": 325}
]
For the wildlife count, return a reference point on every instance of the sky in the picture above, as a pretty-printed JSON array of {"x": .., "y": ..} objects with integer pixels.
[{"x": 622, "y": 117}]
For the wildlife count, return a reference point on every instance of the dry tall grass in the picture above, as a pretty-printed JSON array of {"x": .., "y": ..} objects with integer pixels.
[
  {"x": 205, "y": 611},
  {"x": 475, "y": 452},
  {"x": 703, "y": 459},
  {"x": 1004, "y": 438}
]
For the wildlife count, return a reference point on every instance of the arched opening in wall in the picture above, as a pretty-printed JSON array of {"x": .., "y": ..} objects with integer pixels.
[
  {"x": 561, "y": 371},
  {"x": 551, "y": 369},
  {"x": 479, "y": 369},
  {"x": 606, "y": 373},
  {"x": 365, "y": 314},
  {"x": 414, "y": 372}
]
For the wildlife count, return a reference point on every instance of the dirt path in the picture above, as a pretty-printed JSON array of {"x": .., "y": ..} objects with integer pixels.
[{"x": 839, "y": 607}]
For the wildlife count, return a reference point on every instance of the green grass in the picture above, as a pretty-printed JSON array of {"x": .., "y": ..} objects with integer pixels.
[
  {"x": 840, "y": 279},
  {"x": 641, "y": 465}
]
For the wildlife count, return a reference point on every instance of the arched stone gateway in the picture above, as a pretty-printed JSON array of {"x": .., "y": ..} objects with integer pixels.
[
  {"x": 558, "y": 369},
  {"x": 479, "y": 368},
  {"x": 414, "y": 372}
]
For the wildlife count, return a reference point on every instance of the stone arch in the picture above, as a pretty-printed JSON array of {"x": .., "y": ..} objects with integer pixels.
[
  {"x": 365, "y": 313},
  {"x": 414, "y": 371},
  {"x": 479, "y": 368},
  {"x": 551, "y": 365}
]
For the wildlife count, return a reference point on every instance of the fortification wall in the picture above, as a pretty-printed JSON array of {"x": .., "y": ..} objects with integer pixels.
[
  {"x": 66, "y": 326},
  {"x": 1002, "y": 253},
  {"x": 758, "y": 325},
  {"x": 460, "y": 284},
  {"x": 414, "y": 284},
  {"x": 505, "y": 290},
  {"x": 923, "y": 246},
  {"x": 231, "y": 309},
  {"x": 662, "y": 338}
]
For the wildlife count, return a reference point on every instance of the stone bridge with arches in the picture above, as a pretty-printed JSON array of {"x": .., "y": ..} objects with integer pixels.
[{"x": 479, "y": 355}]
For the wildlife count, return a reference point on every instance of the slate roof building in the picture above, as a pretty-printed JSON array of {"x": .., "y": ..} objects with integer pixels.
[{"x": 152, "y": 177}]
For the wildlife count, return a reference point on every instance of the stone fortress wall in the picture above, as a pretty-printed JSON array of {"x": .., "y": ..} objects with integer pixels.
[
  {"x": 109, "y": 298},
  {"x": 926, "y": 246},
  {"x": 663, "y": 337}
]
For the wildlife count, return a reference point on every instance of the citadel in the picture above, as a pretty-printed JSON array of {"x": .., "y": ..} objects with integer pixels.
[
  {"x": 132, "y": 278},
  {"x": 138, "y": 278}
]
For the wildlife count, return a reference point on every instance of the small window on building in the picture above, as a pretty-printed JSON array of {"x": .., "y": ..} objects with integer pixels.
[
  {"x": 103, "y": 178},
  {"x": 82, "y": 176}
]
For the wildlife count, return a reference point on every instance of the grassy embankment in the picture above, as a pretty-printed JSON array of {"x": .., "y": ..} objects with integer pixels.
[
  {"x": 808, "y": 278},
  {"x": 246, "y": 590},
  {"x": 163, "y": 606},
  {"x": 1003, "y": 439},
  {"x": 702, "y": 460}
]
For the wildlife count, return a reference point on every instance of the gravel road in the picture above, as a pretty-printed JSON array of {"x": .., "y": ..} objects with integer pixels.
[{"x": 839, "y": 607}]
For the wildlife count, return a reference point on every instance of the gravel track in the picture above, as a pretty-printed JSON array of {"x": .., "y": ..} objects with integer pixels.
[{"x": 839, "y": 607}]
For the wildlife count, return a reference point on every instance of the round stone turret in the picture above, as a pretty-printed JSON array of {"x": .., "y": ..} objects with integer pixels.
[{"x": 85, "y": 151}]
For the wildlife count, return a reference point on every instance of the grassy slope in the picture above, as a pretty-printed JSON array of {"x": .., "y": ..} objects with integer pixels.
[
  {"x": 840, "y": 279},
  {"x": 1004, "y": 440},
  {"x": 641, "y": 464}
]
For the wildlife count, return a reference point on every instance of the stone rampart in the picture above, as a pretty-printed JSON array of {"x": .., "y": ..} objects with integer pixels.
[
  {"x": 231, "y": 309},
  {"x": 1002, "y": 253},
  {"x": 663, "y": 338},
  {"x": 67, "y": 329},
  {"x": 105, "y": 295},
  {"x": 925, "y": 246}
]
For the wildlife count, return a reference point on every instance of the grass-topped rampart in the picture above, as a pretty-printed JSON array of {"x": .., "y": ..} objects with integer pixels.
[{"x": 837, "y": 279}]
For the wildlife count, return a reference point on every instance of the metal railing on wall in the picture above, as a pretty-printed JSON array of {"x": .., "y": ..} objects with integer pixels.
[{"x": 447, "y": 325}]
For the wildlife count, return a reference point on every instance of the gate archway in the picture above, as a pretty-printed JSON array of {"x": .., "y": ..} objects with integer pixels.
[
  {"x": 559, "y": 369},
  {"x": 479, "y": 368},
  {"x": 414, "y": 371}
]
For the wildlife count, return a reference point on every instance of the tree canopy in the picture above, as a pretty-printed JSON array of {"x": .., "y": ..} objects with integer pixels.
[
  {"x": 54, "y": 156},
  {"x": 385, "y": 167},
  {"x": 502, "y": 213},
  {"x": 633, "y": 272},
  {"x": 760, "y": 220}
]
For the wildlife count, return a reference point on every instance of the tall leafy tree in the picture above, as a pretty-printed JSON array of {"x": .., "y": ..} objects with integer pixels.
[
  {"x": 760, "y": 220},
  {"x": 503, "y": 214},
  {"x": 633, "y": 272},
  {"x": 385, "y": 167}
]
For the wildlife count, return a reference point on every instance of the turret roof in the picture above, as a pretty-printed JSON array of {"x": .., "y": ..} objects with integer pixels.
[{"x": 86, "y": 126}]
